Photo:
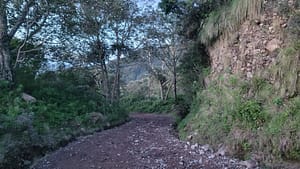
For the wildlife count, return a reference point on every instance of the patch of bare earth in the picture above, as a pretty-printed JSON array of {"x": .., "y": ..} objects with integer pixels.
[{"x": 146, "y": 142}]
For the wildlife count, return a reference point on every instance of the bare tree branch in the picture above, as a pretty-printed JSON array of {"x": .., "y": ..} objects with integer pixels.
[{"x": 21, "y": 19}]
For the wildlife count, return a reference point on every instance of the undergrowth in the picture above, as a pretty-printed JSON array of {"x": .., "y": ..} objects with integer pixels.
[
  {"x": 141, "y": 104},
  {"x": 248, "y": 117},
  {"x": 138, "y": 104},
  {"x": 67, "y": 106}
]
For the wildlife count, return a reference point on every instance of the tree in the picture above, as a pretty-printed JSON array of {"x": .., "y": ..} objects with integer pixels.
[
  {"x": 108, "y": 30},
  {"x": 86, "y": 23},
  {"x": 28, "y": 62},
  {"x": 163, "y": 33},
  {"x": 191, "y": 70},
  {"x": 191, "y": 14},
  {"x": 124, "y": 24},
  {"x": 149, "y": 55},
  {"x": 25, "y": 17}
]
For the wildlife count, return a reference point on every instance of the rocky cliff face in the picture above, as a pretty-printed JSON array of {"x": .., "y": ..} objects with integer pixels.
[
  {"x": 258, "y": 45},
  {"x": 251, "y": 104}
]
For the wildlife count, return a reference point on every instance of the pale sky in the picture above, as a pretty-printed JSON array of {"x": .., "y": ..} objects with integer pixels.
[{"x": 144, "y": 3}]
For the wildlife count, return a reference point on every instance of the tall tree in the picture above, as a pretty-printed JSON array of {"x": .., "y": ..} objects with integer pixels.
[
  {"x": 104, "y": 24},
  {"x": 124, "y": 24},
  {"x": 149, "y": 55},
  {"x": 25, "y": 17},
  {"x": 164, "y": 34}
]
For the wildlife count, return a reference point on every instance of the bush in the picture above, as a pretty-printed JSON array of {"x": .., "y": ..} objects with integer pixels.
[
  {"x": 66, "y": 104},
  {"x": 250, "y": 113},
  {"x": 147, "y": 105}
]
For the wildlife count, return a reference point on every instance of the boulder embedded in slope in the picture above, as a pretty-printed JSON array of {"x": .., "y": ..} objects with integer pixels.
[{"x": 28, "y": 98}]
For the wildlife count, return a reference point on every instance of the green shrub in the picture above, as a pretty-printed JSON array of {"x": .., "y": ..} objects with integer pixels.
[
  {"x": 146, "y": 105},
  {"x": 250, "y": 113},
  {"x": 65, "y": 101}
]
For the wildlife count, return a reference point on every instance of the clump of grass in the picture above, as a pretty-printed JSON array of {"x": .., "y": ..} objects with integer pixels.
[
  {"x": 228, "y": 18},
  {"x": 286, "y": 70}
]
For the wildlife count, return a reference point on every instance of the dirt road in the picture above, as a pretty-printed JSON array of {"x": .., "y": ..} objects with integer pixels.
[{"x": 146, "y": 142}]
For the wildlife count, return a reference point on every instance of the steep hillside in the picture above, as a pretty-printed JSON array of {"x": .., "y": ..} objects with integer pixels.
[
  {"x": 251, "y": 106},
  {"x": 260, "y": 43}
]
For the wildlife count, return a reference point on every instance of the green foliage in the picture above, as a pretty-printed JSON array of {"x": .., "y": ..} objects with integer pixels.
[
  {"x": 227, "y": 17},
  {"x": 251, "y": 113},
  {"x": 4, "y": 85},
  {"x": 146, "y": 105},
  {"x": 286, "y": 70},
  {"x": 171, "y": 6},
  {"x": 248, "y": 116},
  {"x": 192, "y": 70},
  {"x": 278, "y": 101},
  {"x": 68, "y": 104},
  {"x": 192, "y": 13}
]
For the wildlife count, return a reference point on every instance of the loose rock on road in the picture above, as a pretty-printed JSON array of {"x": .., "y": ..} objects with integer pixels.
[{"x": 146, "y": 142}]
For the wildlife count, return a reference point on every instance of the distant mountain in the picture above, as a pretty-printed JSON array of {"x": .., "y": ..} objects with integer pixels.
[{"x": 136, "y": 70}]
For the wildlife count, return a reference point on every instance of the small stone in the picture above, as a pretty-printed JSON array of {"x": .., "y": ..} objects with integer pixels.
[
  {"x": 284, "y": 25},
  {"x": 206, "y": 147},
  {"x": 222, "y": 151},
  {"x": 265, "y": 42},
  {"x": 250, "y": 164},
  {"x": 257, "y": 22},
  {"x": 200, "y": 161},
  {"x": 190, "y": 137},
  {"x": 270, "y": 28},
  {"x": 211, "y": 156},
  {"x": 273, "y": 45},
  {"x": 232, "y": 161},
  {"x": 249, "y": 75},
  {"x": 193, "y": 147}
]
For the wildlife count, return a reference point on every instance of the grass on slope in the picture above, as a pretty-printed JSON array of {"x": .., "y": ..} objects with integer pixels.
[{"x": 248, "y": 117}]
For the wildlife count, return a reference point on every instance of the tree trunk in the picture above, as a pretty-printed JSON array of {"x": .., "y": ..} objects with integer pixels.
[
  {"x": 105, "y": 84},
  {"x": 118, "y": 78},
  {"x": 162, "y": 96},
  {"x": 116, "y": 87},
  {"x": 5, "y": 68},
  {"x": 168, "y": 91},
  {"x": 175, "y": 82}
]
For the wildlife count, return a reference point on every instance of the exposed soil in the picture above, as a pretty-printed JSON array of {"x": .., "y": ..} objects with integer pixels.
[{"x": 147, "y": 141}]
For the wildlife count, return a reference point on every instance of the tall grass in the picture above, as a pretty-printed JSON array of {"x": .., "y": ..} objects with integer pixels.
[
  {"x": 228, "y": 18},
  {"x": 248, "y": 117}
]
